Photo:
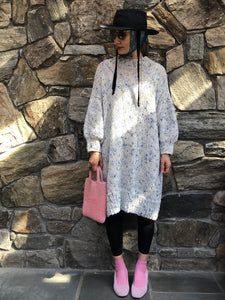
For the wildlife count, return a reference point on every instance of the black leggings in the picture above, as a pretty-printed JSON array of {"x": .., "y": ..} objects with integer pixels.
[{"x": 114, "y": 229}]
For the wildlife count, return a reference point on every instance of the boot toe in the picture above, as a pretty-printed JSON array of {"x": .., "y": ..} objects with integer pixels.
[{"x": 121, "y": 290}]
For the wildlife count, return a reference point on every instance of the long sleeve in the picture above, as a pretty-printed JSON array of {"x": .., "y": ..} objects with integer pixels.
[
  {"x": 166, "y": 115},
  {"x": 93, "y": 123}
]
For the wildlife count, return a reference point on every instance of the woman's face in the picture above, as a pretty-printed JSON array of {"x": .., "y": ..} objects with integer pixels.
[{"x": 122, "y": 45}]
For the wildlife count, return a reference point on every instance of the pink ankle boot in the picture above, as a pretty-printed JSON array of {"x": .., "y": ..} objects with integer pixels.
[
  {"x": 140, "y": 283},
  {"x": 121, "y": 282}
]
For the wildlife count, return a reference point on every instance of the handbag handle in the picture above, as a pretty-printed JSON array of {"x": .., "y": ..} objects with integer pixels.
[{"x": 99, "y": 174}]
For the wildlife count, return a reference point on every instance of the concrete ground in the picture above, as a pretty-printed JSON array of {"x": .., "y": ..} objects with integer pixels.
[{"x": 70, "y": 284}]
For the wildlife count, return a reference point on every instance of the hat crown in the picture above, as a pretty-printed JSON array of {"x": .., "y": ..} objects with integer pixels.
[{"x": 130, "y": 18}]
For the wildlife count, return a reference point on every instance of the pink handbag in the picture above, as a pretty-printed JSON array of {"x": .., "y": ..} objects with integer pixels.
[{"x": 94, "y": 197}]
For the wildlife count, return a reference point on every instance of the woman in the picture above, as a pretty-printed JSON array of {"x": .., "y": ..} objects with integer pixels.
[{"x": 130, "y": 128}]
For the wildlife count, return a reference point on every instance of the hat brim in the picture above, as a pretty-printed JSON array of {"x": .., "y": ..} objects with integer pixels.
[{"x": 111, "y": 27}]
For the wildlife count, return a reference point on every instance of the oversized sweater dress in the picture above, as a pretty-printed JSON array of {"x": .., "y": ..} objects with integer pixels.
[{"x": 131, "y": 137}]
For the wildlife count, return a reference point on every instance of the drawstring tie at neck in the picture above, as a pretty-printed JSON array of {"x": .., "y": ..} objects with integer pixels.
[{"x": 138, "y": 67}]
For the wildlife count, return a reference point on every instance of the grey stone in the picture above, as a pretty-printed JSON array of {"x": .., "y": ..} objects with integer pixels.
[
  {"x": 97, "y": 14},
  {"x": 163, "y": 40},
  {"x": 219, "y": 198},
  {"x": 39, "y": 23},
  {"x": 60, "y": 257},
  {"x": 157, "y": 56},
  {"x": 201, "y": 252},
  {"x": 110, "y": 49},
  {"x": 59, "y": 91},
  {"x": 59, "y": 227},
  {"x": 218, "y": 213},
  {"x": 52, "y": 212},
  {"x": 14, "y": 129},
  {"x": 42, "y": 259},
  {"x": 22, "y": 160},
  {"x": 130, "y": 240},
  {"x": 170, "y": 22},
  {"x": 84, "y": 254},
  {"x": 84, "y": 50},
  {"x": 143, "y": 4},
  {"x": 12, "y": 38},
  {"x": 37, "y": 2},
  {"x": 4, "y": 217},
  {"x": 62, "y": 148},
  {"x": 174, "y": 58},
  {"x": 78, "y": 104},
  {"x": 42, "y": 53},
  {"x": 168, "y": 252},
  {"x": 194, "y": 14},
  {"x": 5, "y": 242},
  {"x": 37, "y": 242},
  {"x": 78, "y": 71},
  {"x": 186, "y": 205},
  {"x": 187, "y": 151},
  {"x": 64, "y": 183},
  {"x": 191, "y": 77},
  {"x": 215, "y": 239},
  {"x": 23, "y": 192},
  {"x": 24, "y": 85},
  {"x": 201, "y": 125},
  {"x": 215, "y": 36},
  {"x": 89, "y": 231},
  {"x": 220, "y": 92},
  {"x": 27, "y": 221},
  {"x": 19, "y": 10},
  {"x": 8, "y": 61},
  {"x": 195, "y": 46},
  {"x": 76, "y": 214},
  {"x": 222, "y": 2},
  {"x": 215, "y": 61},
  {"x": 197, "y": 233},
  {"x": 47, "y": 116},
  {"x": 202, "y": 175},
  {"x": 215, "y": 148},
  {"x": 192, "y": 264},
  {"x": 5, "y": 13},
  {"x": 58, "y": 9},
  {"x": 204, "y": 252},
  {"x": 12, "y": 258},
  {"x": 62, "y": 33},
  {"x": 220, "y": 251}
]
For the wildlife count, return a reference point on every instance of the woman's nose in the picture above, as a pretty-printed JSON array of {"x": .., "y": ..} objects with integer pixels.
[{"x": 117, "y": 41}]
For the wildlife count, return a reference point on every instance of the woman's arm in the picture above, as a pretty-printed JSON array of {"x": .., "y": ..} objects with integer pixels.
[
  {"x": 166, "y": 115},
  {"x": 93, "y": 124}
]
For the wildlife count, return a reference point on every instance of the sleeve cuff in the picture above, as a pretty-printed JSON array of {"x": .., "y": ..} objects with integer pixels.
[
  {"x": 93, "y": 145},
  {"x": 167, "y": 149}
]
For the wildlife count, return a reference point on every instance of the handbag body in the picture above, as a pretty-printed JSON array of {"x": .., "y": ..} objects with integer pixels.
[{"x": 94, "y": 197}]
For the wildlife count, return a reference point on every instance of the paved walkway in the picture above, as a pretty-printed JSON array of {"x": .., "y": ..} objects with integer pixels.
[{"x": 70, "y": 284}]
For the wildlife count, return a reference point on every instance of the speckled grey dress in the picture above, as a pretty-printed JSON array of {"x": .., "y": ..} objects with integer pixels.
[{"x": 131, "y": 138}]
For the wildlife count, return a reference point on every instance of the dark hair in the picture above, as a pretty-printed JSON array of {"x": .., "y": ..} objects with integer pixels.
[{"x": 144, "y": 48}]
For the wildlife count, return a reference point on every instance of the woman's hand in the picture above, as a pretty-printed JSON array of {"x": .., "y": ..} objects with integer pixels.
[
  {"x": 95, "y": 159},
  {"x": 165, "y": 163}
]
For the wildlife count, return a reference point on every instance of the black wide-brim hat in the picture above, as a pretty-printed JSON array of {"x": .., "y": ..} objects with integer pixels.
[{"x": 130, "y": 19}]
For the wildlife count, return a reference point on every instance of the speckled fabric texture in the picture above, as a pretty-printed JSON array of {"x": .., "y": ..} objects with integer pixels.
[{"x": 131, "y": 138}]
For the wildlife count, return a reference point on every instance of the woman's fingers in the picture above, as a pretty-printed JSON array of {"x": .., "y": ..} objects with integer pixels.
[
  {"x": 95, "y": 160},
  {"x": 165, "y": 164}
]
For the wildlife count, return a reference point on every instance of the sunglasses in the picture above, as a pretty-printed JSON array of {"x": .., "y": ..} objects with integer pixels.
[{"x": 121, "y": 34}]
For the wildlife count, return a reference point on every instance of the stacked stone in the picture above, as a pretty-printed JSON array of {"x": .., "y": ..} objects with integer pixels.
[{"x": 49, "y": 51}]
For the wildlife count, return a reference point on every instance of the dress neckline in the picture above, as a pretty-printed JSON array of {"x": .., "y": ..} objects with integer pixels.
[{"x": 130, "y": 61}]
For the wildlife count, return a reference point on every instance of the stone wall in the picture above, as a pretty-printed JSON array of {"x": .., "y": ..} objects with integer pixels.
[{"x": 49, "y": 51}]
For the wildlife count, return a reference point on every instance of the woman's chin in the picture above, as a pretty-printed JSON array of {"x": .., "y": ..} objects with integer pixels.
[{"x": 122, "y": 51}]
